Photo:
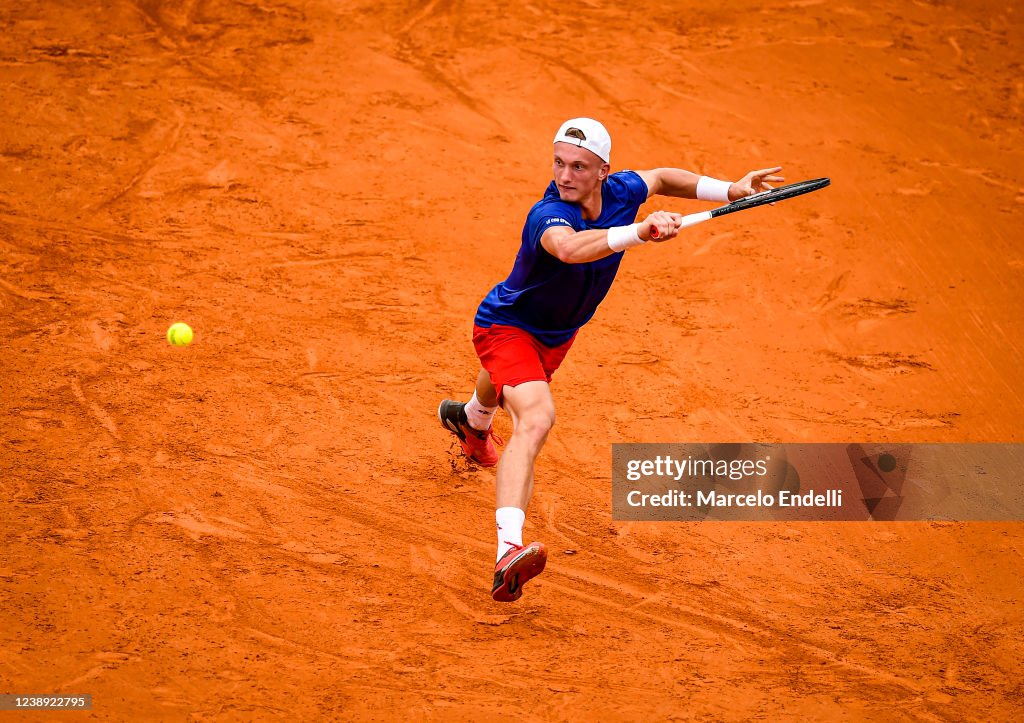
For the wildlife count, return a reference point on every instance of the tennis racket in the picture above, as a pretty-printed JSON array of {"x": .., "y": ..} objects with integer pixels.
[{"x": 758, "y": 199}]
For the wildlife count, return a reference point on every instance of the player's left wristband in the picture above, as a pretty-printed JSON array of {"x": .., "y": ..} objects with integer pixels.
[
  {"x": 711, "y": 189},
  {"x": 621, "y": 238}
]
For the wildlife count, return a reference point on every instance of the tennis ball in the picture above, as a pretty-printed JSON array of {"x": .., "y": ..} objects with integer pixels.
[{"x": 180, "y": 334}]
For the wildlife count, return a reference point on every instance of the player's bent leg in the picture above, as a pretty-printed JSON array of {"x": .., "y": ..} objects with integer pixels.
[
  {"x": 471, "y": 422},
  {"x": 476, "y": 444},
  {"x": 485, "y": 390},
  {"x": 533, "y": 414}
]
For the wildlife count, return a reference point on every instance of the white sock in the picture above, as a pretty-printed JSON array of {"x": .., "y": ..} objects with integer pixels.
[
  {"x": 510, "y": 528},
  {"x": 479, "y": 416}
]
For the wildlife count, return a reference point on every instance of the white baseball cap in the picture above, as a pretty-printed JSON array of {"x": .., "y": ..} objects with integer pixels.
[{"x": 586, "y": 133}]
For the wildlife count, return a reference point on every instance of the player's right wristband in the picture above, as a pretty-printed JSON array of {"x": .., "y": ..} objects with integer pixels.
[
  {"x": 711, "y": 189},
  {"x": 621, "y": 238}
]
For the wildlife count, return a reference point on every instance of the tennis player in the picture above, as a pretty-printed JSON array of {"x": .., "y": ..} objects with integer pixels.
[{"x": 572, "y": 243}]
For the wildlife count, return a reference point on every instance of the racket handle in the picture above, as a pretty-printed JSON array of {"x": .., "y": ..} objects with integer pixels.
[{"x": 686, "y": 221}]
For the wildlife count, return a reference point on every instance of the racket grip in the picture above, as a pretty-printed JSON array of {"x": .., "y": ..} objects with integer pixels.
[{"x": 686, "y": 221}]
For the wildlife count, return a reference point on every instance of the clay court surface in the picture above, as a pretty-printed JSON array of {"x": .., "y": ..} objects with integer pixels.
[{"x": 272, "y": 523}]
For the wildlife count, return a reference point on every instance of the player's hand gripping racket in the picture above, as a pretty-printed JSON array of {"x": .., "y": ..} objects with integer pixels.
[{"x": 758, "y": 199}]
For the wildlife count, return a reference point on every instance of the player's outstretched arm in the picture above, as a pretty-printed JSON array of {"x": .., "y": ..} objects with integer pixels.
[
  {"x": 579, "y": 247},
  {"x": 674, "y": 182},
  {"x": 680, "y": 183}
]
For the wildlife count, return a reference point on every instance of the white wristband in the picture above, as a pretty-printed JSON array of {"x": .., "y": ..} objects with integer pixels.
[
  {"x": 621, "y": 238},
  {"x": 711, "y": 189}
]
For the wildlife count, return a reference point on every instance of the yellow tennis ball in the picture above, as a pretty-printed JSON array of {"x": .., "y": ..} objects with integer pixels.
[{"x": 180, "y": 334}]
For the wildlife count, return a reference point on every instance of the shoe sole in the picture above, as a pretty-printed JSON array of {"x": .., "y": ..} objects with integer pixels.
[
  {"x": 444, "y": 422},
  {"x": 524, "y": 567}
]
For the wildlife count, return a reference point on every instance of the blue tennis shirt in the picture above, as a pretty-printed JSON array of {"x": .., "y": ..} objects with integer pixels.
[{"x": 550, "y": 298}]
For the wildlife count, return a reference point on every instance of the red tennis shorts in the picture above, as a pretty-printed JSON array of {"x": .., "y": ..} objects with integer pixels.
[{"x": 513, "y": 356}]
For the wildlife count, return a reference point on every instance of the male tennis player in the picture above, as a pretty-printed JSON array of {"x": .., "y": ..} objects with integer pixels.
[{"x": 572, "y": 244}]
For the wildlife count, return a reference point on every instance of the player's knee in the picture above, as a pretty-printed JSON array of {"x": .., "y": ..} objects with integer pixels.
[{"x": 536, "y": 424}]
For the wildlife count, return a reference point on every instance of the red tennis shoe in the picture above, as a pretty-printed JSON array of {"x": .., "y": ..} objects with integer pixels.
[
  {"x": 515, "y": 568},
  {"x": 477, "y": 445}
]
